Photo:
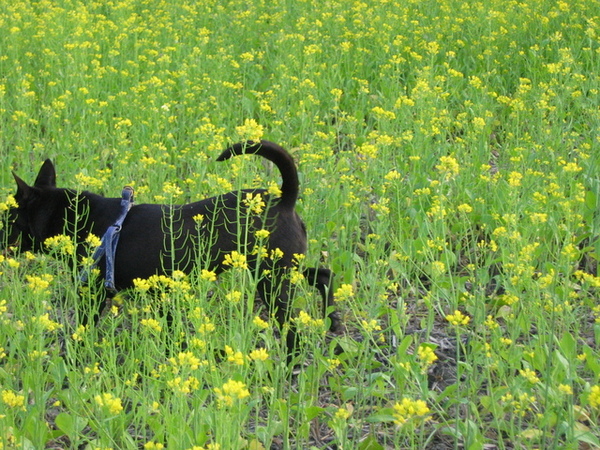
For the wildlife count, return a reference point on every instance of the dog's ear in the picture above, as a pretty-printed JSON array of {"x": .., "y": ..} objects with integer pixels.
[
  {"x": 46, "y": 176},
  {"x": 23, "y": 189}
]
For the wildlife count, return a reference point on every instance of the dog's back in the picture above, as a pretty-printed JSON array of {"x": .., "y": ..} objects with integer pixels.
[{"x": 160, "y": 238}]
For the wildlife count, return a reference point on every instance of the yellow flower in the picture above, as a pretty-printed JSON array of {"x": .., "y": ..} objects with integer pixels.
[
  {"x": 458, "y": 318},
  {"x": 274, "y": 189},
  {"x": 276, "y": 253},
  {"x": 499, "y": 231},
  {"x": 208, "y": 275},
  {"x": 109, "y": 402},
  {"x": 39, "y": 284},
  {"x": 408, "y": 409},
  {"x": 198, "y": 344},
  {"x": 230, "y": 392},
  {"x": 10, "y": 202},
  {"x": 448, "y": 167},
  {"x": 260, "y": 323},
  {"x": 571, "y": 252},
  {"x": 94, "y": 370},
  {"x": 262, "y": 234},
  {"x": 594, "y": 397},
  {"x": 153, "y": 446},
  {"x": 565, "y": 389},
  {"x": 370, "y": 326},
  {"x": 233, "y": 296},
  {"x": 437, "y": 210},
  {"x": 537, "y": 218},
  {"x": 234, "y": 357},
  {"x": 181, "y": 386},
  {"x": 490, "y": 323},
  {"x": 304, "y": 318},
  {"x": 207, "y": 326},
  {"x": 296, "y": 276},
  {"x": 178, "y": 275},
  {"x": 465, "y": 208},
  {"x": 247, "y": 57},
  {"x": 12, "y": 400},
  {"x": 151, "y": 324},
  {"x": 185, "y": 359},
  {"x": 46, "y": 323},
  {"x": 260, "y": 354},
  {"x": 572, "y": 167},
  {"x": 254, "y": 203},
  {"x": 367, "y": 150},
  {"x": 342, "y": 414},
  {"x": 251, "y": 130},
  {"x": 61, "y": 244},
  {"x": 438, "y": 268},
  {"x": 514, "y": 179},
  {"x": 478, "y": 123},
  {"x": 93, "y": 241},
  {"x": 392, "y": 175},
  {"x": 172, "y": 190},
  {"x": 381, "y": 113},
  {"x": 529, "y": 375},
  {"x": 426, "y": 355},
  {"x": 333, "y": 363},
  {"x": 508, "y": 299},
  {"x": 141, "y": 285},
  {"x": 235, "y": 259},
  {"x": 521, "y": 404},
  {"x": 344, "y": 292}
]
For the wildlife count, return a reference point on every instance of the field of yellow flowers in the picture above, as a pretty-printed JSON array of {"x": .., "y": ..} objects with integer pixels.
[{"x": 448, "y": 155}]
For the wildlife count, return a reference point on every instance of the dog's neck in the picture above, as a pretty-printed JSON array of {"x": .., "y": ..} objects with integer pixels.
[
  {"x": 77, "y": 214},
  {"x": 101, "y": 212}
]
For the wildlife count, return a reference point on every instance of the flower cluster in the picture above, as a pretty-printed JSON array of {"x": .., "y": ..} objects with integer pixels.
[
  {"x": 13, "y": 400},
  {"x": 343, "y": 293},
  {"x": 39, "y": 284},
  {"x": 231, "y": 393},
  {"x": 410, "y": 410},
  {"x": 61, "y": 244},
  {"x": 458, "y": 318},
  {"x": 109, "y": 403},
  {"x": 236, "y": 260}
]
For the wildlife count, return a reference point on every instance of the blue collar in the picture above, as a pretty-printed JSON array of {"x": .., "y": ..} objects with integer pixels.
[{"x": 108, "y": 244}]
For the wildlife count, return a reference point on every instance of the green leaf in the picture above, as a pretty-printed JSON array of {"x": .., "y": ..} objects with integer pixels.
[
  {"x": 588, "y": 438},
  {"x": 591, "y": 361},
  {"x": 591, "y": 203},
  {"x": 370, "y": 443},
  {"x": 70, "y": 425},
  {"x": 385, "y": 415},
  {"x": 313, "y": 411},
  {"x": 403, "y": 347},
  {"x": 349, "y": 393}
]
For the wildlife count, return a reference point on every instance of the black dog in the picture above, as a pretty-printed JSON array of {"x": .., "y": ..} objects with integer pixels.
[{"x": 158, "y": 239}]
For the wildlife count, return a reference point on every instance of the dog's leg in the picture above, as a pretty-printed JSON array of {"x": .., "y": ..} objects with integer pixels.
[
  {"x": 322, "y": 279},
  {"x": 276, "y": 292}
]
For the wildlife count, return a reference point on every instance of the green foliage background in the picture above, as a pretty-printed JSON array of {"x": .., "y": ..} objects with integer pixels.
[{"x": 448, "y": 154}]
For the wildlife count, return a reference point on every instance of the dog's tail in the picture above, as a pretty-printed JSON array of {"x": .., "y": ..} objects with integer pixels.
[{"x": 278, "y": 156}]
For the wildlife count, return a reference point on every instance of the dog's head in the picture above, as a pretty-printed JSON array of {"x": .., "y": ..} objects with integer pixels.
[{"x": 28, "y": 223}]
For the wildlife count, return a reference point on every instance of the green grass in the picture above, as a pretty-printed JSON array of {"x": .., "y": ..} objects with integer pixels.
[{"x": 448, "y": 155}]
